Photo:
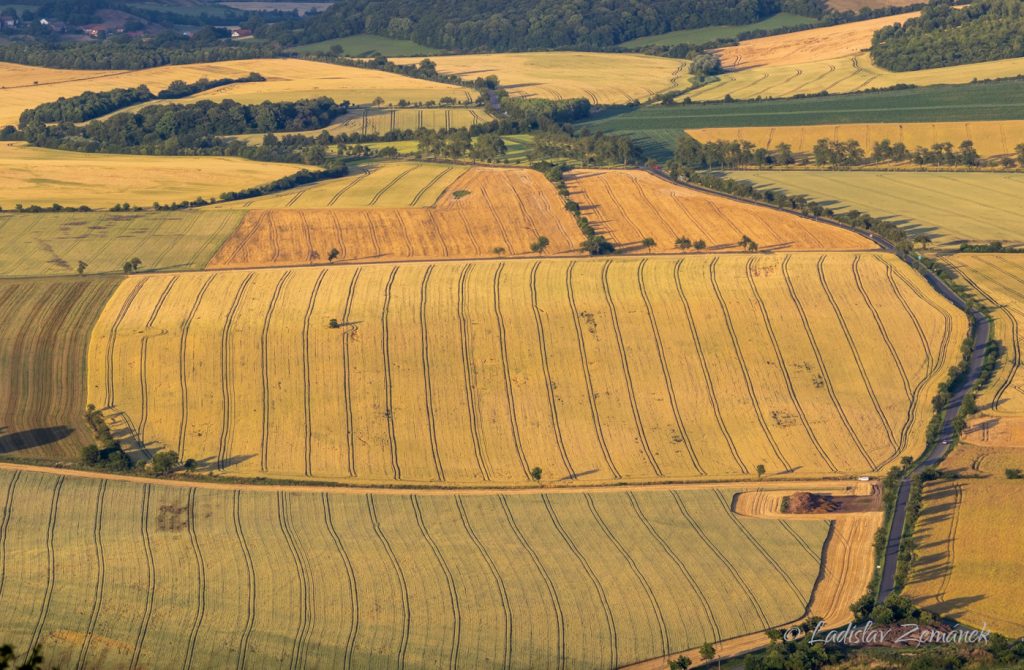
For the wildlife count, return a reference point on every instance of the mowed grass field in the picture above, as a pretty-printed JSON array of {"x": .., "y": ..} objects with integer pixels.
[
  {"x": 971, "y": 550},
  {"x": 628, "y": 206},
  {"x": 481, "y": 209},
  {"x": 53, "y": 244},
  {"x": 35, "y": 176},
  {"x": 997, "y": 280},
  {"x": 44, "y": 334},
  {"x": 384, "y": 185},
  {"x": 603, "y": 78},
  {"x": 699, "y": 36},
  {"x": 990, "y": 138},
  {"x": 474, "y": 373},
  {"x": 949, "y": 207},
  {"x": 287, "y": 79},
  {"x": 846, "y": 74},
  {"x": 118, "y": 574}
]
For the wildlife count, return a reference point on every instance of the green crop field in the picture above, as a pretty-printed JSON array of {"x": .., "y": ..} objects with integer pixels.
[
  {"x": 44, "y": 332},
  {"x": 369, "y": 45},
  {"x": 949, "y": 207},
  {"x": 658, "y": 127},
  {"x": 712, "y": 33},
  {"x": 114, "y": 574},
  {"x": 53, "y": 244}
]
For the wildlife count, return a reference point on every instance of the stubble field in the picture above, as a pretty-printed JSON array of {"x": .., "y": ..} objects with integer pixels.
[{"x": 473, "y": 374}]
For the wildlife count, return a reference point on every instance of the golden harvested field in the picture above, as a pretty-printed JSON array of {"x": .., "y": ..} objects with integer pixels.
[
  {"x": 118, "y": 574},
  {"x": 44, "y": 334},
  {"x": 34, "y": 176},
  {"x": 949, "y": 207},
  {"x": 287, "y": 79},
  {"x": 804, "y": 46},
  {"x": 991, "y": 138},
  {"x": 971, "y": 550},
  {"x": 998, "y": 281},
  {"x": 507, "y": 208},
  {"x": 381, "y": 185},
  {"x": 842, "y": 75},
  {"x": 603, "y": 78},
  {"x": 472, "y": 374},
  {"x": 53, "y": 244},
  {"x": 627, "y": 206}
]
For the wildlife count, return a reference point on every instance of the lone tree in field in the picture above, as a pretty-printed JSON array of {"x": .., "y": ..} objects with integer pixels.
[
  {"x": 333, "y": 323},
  {"x": 700, "y": 244},
  {"x": 684, "y": 243},
  {"x": 540, "y": 245},
  {"x": 498, "y": 251},
  {"x": 82, "y": 265},
  {"x": 536, "y": 473},
  {"x": 647, "y": 242},
  {"x": 332, "y": 254},
  {"x": 760, "y": 470},
  {"x": 132, "y": 266}
]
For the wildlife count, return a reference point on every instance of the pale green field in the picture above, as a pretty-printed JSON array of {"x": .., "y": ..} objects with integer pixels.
[
  {"x": 116, "y": 574},
  {"x": 52, "y": 244},
  {"x": 947, "y": 206},
  {"x": 698, "y": 36}
]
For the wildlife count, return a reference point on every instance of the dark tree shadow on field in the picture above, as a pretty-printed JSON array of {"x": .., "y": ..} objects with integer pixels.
[
  {"x": 210, "y": 463},
  {"x": 32, "y": 438}
]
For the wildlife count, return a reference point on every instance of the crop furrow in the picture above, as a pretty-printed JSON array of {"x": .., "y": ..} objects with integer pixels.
[
  {"x": 430, "y": 183},
  {"x": 635, "y": 569},
  {"x": 147, "y": 549},
  {"x": 722, "y": 558},
  {"x": 387, "y": 186},
  {"x": 630, "y": 391},
  {"x": 783, "y": 367},
  {"x": 428, "y": 392},
  {"x": 506, "y": 373},
  {"x": 5, "y": 523},
  {"x": 548, "y": 384},
  {"x": 598, "y": 588},
  {"x": 51, "y": 568},
  {"x": 350, "y": 436},
  {"x": 265, "y": 371},
  {"x": 497, "y": 219},
  {"x": 550, "y": 586},
  {"x": 1014, "y": 361},
  {"x": 386, "y": 348},
  {"x": 143, "y": 379},
  {"x": 856, "y": 355},
  {"x": 708, "y": 382},
  {"x": 585, "y": 365},
  {"x": 97, "y": 599},
  {"x": 346, "y": 187},
  {"x": 821, "y": 364},
  {"x": 940, "y": 595},
  {"x": 305, "y": 608},
  {"x": 469, "y": 377},
  {"x": 751, "y": 392},
  {"x": 406, "y": 607},
  {"x": 339, "y": 238},
  {"x": 453, "y": 594},
  {"x": 250, "y": 578},
  {"x": 183, "y": 370},
  {"x": 350, "y": 641},
  {"x": 803, "y": 543},
  {"x": 197, "y": 552},
  {"x": 859, "y": 281},
  {"x": 499, "y": 582},
  {"x": 306, "y": 392},
  {"x": 666, "y": 226},
  {"x": 109, "y": 399},
  {"x": 227, "y": 415}
]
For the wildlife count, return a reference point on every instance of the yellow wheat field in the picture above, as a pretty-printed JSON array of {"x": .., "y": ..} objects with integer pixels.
[
  {"x": 475, "y": 373},
  {"x": 803, "y": 46},
  {"x": 998, "y": 281},
  {"x": 122, "y": 574},
  {"x": 846, "y": 74},
  {"x": 990, "y": 138},
  {"x": 602, "y": 78},
  {"x": 287, "y": 79},
  {"x": 971, "y": 550},
  {"x": 627, "y": 206},
  {"x": 34, "y": 176},
  {"x": 381, "y": 185},
  {"x": 482, "y": 210}
]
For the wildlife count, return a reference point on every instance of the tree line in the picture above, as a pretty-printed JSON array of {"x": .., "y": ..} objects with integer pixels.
[{"x": 944, "y": 35}]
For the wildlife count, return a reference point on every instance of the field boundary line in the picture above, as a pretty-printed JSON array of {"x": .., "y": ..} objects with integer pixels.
[
  {"x": 624, "y": 360},
  {"x": 585, "y": 364},
  {"x": 780, "y": 359}
]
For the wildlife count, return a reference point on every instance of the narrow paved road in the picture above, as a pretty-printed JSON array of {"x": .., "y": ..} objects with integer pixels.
[{"x": 933, "y": 456}]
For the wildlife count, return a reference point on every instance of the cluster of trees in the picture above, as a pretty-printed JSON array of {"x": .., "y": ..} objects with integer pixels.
[
  {"x": 833, "y": 153},
  {"x": 585, "y": 147},
  {"x": 944, "y": 35},
  {"x": 519, "y": 25},
  {"x": 35, "y": 209},
  {"x": 458, "y": 143},
  {"x": 728, "y": 153},
  {"x": 108, "y": 454},
  {"x": 594, "y": 244}
]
